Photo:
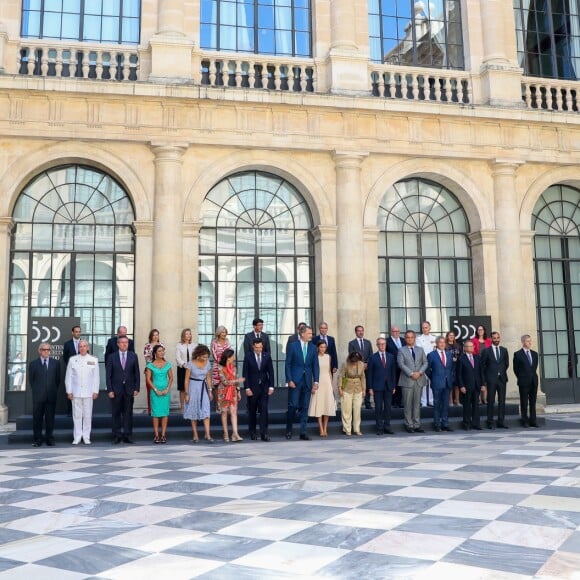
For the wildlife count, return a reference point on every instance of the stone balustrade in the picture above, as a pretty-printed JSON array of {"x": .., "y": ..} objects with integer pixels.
[
  {"x": 550, "y": 94},
  {"x": 63, "y": 60},
  {"x": 257, "y": 72},
  {"x": 420, "y": 84}
]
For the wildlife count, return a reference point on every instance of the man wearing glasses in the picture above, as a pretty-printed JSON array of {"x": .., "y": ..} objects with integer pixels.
[{"x": 44, "y": 381}]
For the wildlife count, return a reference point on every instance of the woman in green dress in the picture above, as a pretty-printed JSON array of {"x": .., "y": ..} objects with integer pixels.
[{"x": 159, "y": 376}]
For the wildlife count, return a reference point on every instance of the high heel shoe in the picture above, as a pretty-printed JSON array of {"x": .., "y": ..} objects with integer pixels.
[
  {"x": 236, "y": 438},
  {"x": 227, "y": 439},
  {"x": 209, "y": 439},
  {"x": 156, "y": 439}
]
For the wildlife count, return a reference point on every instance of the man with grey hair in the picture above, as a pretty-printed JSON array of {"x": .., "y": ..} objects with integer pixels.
[
  {"x": 323, "y": 336},
  {"x": 526, "y": 371}
]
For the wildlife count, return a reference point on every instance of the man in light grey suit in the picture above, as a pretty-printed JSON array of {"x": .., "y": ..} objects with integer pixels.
[{"x": 413, "y": 363}]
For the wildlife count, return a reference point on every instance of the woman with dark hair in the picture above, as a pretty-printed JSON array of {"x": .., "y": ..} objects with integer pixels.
[
  {"x": 454, "y": 349},
  {"x": 183, "y": 352},
  {"x": 351, "y": 388},
  {"x": 218, "y": 346},
  {"x": 198, "y": 392},
  {"x": 480, "y": 343},
  {"x": 228, "y": 394},
  {"x": 148, "y": 355},
  {"x": 159, "y": 377}
]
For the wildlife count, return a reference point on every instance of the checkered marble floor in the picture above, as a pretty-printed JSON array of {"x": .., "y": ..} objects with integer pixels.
[{"x": 497, "y": 505}]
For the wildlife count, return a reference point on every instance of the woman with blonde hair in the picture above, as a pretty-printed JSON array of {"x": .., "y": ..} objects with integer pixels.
[
  {"x": 218, "y": 346},
  {"x": 183, "y": 352}
]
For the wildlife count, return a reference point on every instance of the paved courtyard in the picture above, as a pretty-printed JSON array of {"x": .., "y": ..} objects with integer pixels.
[{"x": 501, "y": 504}]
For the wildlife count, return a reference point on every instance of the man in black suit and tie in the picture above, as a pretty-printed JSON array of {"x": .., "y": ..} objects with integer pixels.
[
  {"x": 364, "y": 347},
  {"x": 257, "y": 333},
  {"x": 112, "y": 344},
  {"x": 526, "y": 371},
  {"x": 123, "y": 380},
  {"x": 394, "y": 343},
  {"x": 382, "y": 382},
  {"x": 44, "y": 382},
  {"x": 470, "y": 380},
  {"x": 495, "y": 363},
  {"x": 258, "y": 370},
  {"x": 330, "y": 345}
]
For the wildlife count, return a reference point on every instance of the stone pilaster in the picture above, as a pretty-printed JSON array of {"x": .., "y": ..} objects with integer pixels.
[
  {"x": 484, "y": 270},
  {"x": 325, "y": 277},
  {"x": 350, "y": 264},
  {"x": 191, "y": 276},
  {"x": 3, "y": 43},
  {"x": 371, "y": 286},
  {"x": 6, "y": 225}
]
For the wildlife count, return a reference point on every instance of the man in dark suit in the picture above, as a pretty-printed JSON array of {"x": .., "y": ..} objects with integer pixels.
[
  {"x": 330, "y": 345},
  {"x": 469, "y": 376},
  {"x": 382, "y": 383},
  {"x": 526, "y": 371},
  {"x": 258, "y": 370},
  {"x": 495, "y": 363},
  {"x": 71, "y": 348},
  {"x": 394, "y": 343},
  {"x": 123, "y": 380},
  {"x": 302, "y": 374},
  {"x": 296, "y": 336},
  {"x": 112, "y": 344},
  {"x": 257, "y": 333},
  {"x": 364, "y": 347},
  {"x": 440, "y": 372},
  {"x": 44, "y": 382}
]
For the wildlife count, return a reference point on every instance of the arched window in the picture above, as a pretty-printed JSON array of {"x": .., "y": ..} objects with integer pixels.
[
  {"x": 424, "y": 256},
  {"x": 413, "y": 33},
  {"x": 556, "y": 222},
  {"x": 72, "y": 255},
  {"x": 548, "y": 34},
  {"x": 256, "y": 260},
  {"x": 260, "y": 26}
]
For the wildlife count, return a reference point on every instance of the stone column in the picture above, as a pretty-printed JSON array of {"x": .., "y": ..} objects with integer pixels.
[
  {"x": 143, "y": 294},
  {"x": 350, "y": 264},
  {"x": 513, "y": 315},
  {"x": 191, "y": 276},
  {"x": 171, "y": 49},
  {"x": 3, "y": 51},
  {"x": 325, "y": 277},
  {"x": 371, "y": 286},
  {"x": 6, "y": 225},
  {"x": 484, "y": 270}
]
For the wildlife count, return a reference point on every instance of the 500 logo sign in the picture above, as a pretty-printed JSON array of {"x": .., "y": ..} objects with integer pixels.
[{"x": 54, "y": 331}]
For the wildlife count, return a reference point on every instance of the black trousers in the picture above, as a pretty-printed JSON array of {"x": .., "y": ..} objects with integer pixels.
[
  {"x": 43, "y": 413},
  {"x": 122, "y": 411},
  {"x": 528, "y": 397},
  {"x": 383, "y": 401},
  {"x": 258, "y": 402},
  {"x": 494, "y": 388},
  {"x": 367, "y": 394},
  {"x": 470, "y": 402}
]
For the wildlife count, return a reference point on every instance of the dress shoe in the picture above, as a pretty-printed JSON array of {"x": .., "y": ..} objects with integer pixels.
[
  {"x": 76, "y": 442},
  {"x": 288, "y": 435},
  {"x": 36, "y": 444},
  {"x": 466, "y": 427},
  {"x": 502, "y": 426},
  {"x": 476, "y": 427},
  {"x": 437, "y": 429},
  {"x": 388, "y": 431},
  {"x": 490, "y": 426},
  {"x": 409, "y": 429},
  {"x": 87, "y": 441},
  {"x": 368, "y": 406},
  {"x": 447, "y": 428},
  {"x": 380, "y": 431},
  {"x": 130, "y": 441},
  {"x": 116, "y": 440},
  {"x": 429, "y": 404},
  {"x": 265, "y": 438},
  {"x": 50, "y": 442},
  {"x": 304, "y": 437},
  {"x": 419, "y": 430},
  {"x": 534, "y": 425},
  {"x": 525, "y": 424},
  {"x": 253, "y": 436}
]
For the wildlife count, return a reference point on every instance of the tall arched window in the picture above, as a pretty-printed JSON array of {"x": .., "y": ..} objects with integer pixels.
[
  {"x": 424, "y": 256},
  {"x": 556, "y": 222},
  {"x": 72, "y": 255},
  {"x": 414, "y": 33},
  {"x": 256, "y": 260},
  {"x": 548, "y": 34}
]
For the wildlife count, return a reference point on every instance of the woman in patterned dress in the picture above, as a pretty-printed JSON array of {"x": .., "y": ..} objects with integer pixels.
[
  {"x": 198, "y": 392},
  {"x": 229, "y": 394}
]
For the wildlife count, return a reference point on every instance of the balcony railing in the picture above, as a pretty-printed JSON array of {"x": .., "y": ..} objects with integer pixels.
[
  {"x": 550, "y": 95},
  {"x": 99, "y": 62},
  {"x": 257, "y": 72},
  {"x": 419, "y": 84}
]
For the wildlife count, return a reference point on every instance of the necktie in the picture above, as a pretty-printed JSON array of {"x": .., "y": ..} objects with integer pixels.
[
  {"x": 257, "y": 335},
  {"x": 46, "y": 363},
  {"x": 413, "y": 353},
  {"x": 360, "y": 342},
  {"x": 471, "y": 360},
  {"x": 123, "y": 360},
  {"x": 529, "y": 353},
  {"x": 383, "y": 360},
  {"x": 325, "y": 340},
  {"x": 442, "y": 357},
  {"x": 77, "y": 346},
  {"x": 495, "y": 349},
  {"x": 259, "y": 360}
]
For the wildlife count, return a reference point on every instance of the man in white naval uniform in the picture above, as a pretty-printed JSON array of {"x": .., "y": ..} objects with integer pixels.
[
  {"x": 82, "y": 388},
  {"x": 426, "y": 341}
]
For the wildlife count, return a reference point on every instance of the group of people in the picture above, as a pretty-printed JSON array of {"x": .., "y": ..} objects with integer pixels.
[{"x": 409, "y": 372}]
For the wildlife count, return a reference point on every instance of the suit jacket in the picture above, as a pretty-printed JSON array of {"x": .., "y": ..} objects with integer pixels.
[
  {"x": 82, "y": 376},
  {"x": 258, "y": 378},
  {"x": 249, "y": 341},
  {"x": 292, "y": 338},
  {"x": 119, "y": 380},
  {"x": 470, "y": 377},
  {"x": 526, "y": 374},
  {"x": 44, "y": 383},
  {"x": 302, "y": 371},
  {"x": 113, "y": 347},
  {"x": 68, "y": 350},
  {"x": 382, "y": 378},
  {"x": 408, "y": 366},
  {"x": 392, "y": 347},
  {"x": 367, "y": 350},
  {"x": 495, "y": 371},
  {"x": 331, "y": 349},
  {"x": 441, "y": 375}
]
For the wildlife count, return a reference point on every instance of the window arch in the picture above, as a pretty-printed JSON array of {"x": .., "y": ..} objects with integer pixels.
[
  {"x": 556, "y": 222},
  {"x": 548, "y": 34},
  {"x": 72, "y": 255},
  {"x": 256, "y": 260},
  {"x": 424, "y": 256}
]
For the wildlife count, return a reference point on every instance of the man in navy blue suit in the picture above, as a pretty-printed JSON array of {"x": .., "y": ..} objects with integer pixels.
[
  {"x": 302, "y": 373},
  {"x": 382, "y": 383},
  {"x": 394, "y": 343},
  {"x": 440, "y": 371},
  {"x": 258, "y": 370},
  {"x": 470, "y": 380},
  {"x": 330, "y": 345}
]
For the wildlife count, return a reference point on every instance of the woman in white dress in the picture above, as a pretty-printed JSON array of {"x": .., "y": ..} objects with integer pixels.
[{"x": 322, "y": 403}]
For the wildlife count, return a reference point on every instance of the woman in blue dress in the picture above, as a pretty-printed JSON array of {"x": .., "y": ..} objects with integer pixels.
[
  {"x": 198, "y": 392},
  {"x": 159, "y": 377}
]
